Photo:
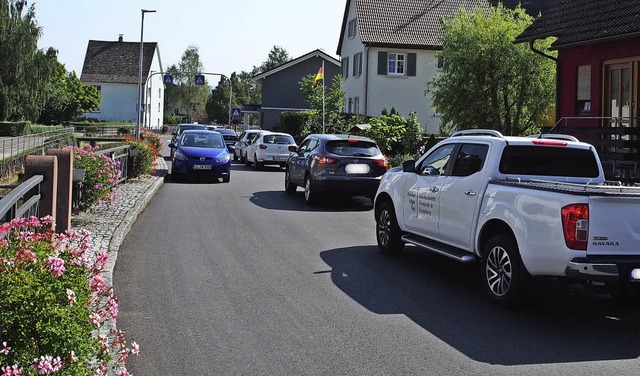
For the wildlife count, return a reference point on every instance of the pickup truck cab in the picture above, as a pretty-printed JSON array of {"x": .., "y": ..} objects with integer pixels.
[{"x": 522, "y": 206}]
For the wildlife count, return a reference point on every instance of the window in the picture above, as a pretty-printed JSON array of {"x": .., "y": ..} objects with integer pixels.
[
  {"x": 470, "y": 159},
  {"x": 396, "y": 64},
  {"x": 159, "y": 93},
  {"x": 352, "y": 28},
  {"x": 356, "y": 105},
  {"x": 436, "y": 163},
  {"x": 158, "y": 106},
  {"x": 440, "y": 62},
  {"x": 584, "y": 90},
  {"x": 345, "y": 67},
  {"x": 548, "y": 161},
  {"x": 357, "y": 64},
  {"x": 350, "y": 106}
]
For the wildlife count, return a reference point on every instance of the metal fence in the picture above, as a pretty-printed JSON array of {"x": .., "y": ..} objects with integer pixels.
[
  {"x": 21, "y": 202},
  {"x": 12, "y": 147},
  {"x": 120, "y": 155}
]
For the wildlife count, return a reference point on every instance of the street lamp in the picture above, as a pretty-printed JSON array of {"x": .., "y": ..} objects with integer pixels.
[{"x": 140, "y": 73}]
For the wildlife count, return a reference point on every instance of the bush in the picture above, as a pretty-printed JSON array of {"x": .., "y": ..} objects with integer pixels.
[
  {"x": 14, "y": 128},
  {"x": 144, "y": 160},
  {"x": 397, "y": 159},
  {"x": 153, "y": 139},
  {"x": 37, "y": 128},
  {"x": 53, "y": 302},
  {"x": 166, "y": 129},
  {"x": 101, "y": 175},
  {"x": 123, "y": 130}
]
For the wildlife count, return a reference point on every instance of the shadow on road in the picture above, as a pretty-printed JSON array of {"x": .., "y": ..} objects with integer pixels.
[
  {"x": 280, "y": 200},
  {"x": 561, "y": 322}
]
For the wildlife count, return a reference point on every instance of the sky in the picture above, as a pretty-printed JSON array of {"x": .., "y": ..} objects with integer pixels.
[{"x": 231, "y": 35}]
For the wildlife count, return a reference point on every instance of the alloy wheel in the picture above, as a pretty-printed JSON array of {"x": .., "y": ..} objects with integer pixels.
[{"x": 498, "y": 271}]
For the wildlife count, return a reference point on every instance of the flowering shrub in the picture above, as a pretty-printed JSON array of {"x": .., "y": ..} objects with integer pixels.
[
  {"x": 144, "y": 161},
  {"x": 101, "y": 175},
  {"x": 55, "y": 304},
  {"x": 152, "y": 139}
]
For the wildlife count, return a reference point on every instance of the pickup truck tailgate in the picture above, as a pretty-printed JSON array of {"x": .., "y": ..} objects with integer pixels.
[{"x": 614, "y": 225}]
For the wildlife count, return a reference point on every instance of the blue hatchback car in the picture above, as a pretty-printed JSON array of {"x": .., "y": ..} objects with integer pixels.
[{"x": 201, "y": 153}]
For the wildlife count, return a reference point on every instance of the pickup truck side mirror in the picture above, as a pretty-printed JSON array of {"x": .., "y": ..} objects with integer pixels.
[
  {"x": 409, "y": 166},
  {"x": 293, "y": 149}
]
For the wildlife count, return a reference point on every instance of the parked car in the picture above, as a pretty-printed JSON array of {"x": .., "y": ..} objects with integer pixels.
[
  {"x": 230, "y": 138},
  {"x": 271, "y": 148},
  {"x": 181, "y": 128},
  {"x": 244, "y": 140},
  {"x": 327, "y": 163},
  {"x": 201, "y": 153}
]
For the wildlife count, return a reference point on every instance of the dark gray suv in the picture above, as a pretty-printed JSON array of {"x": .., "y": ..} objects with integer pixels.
[{"x": 330, "y": 163}]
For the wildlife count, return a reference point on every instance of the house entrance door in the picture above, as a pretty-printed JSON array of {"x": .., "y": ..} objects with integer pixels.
[{"x": 619, "y": 102}]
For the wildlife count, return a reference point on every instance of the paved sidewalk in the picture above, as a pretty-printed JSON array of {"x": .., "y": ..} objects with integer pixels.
[{"x": 109, "y": 226}]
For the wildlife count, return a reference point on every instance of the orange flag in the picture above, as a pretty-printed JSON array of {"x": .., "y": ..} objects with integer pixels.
[{"x": 319, "y": 76}]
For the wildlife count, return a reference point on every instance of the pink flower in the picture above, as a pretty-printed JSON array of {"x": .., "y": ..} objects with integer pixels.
[
  {"x": 71, "y": 296},
  {"x": 113, "y": 308},
  {"x": 47, "y": 365},
  {"x": 102, "y": 258},
  {"x": 56, "y": 265},
  {"x": 94, "y": 319},
  {"x": 5, "y": 349},
  {"x": 135, "y": 348},
  {"x": 98, "y": 284},
  {"x": 124, "y": 372},
  {"x": 11, "y": 371}
]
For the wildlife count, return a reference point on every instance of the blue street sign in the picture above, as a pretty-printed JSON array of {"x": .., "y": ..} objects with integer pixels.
[
  {"x": 168, "y": 79},
  {"x": 199, "y": 79},
  {"x": 235, "y": 112}
]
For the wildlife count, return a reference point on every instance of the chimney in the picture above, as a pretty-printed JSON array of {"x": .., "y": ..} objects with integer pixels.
[{"x": 120, "y": 37}]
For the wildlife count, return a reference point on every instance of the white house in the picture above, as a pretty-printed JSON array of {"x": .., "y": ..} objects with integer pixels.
[
  {"x": 387, "y": 50},
  {"x": 112, "y": 67}
]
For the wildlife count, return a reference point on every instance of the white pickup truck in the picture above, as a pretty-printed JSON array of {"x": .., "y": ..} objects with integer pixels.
[{"x": 523, "y": 206}]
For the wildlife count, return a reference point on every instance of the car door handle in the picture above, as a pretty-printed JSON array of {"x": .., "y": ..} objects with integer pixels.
[
  {"x": 470, "y": 193},
  {"x": 434, "y": 189}
]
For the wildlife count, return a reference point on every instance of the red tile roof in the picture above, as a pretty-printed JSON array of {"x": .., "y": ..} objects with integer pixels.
[
  {"x": 116, "y": 62},
  {"x": 576, "y": 22},
  {"x": 407, "y": 23}
]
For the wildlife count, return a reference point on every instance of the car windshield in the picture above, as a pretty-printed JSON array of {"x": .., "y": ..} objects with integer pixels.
[
  {"x": 277, "y": 139},
  {"x": 352, "y": 148},
  {"x": 183, "y": 128},
  {"x": 203, "y": 140}
]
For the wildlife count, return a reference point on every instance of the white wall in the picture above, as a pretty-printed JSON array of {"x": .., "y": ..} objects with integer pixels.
[
  {"x": 154, "y": 96},
  {"x": 118, "y": 102},
  {"x": 405, "y": 94}
]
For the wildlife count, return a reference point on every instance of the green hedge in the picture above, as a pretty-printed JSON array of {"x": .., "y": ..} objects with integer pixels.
[{"x": 14, "y": 128}]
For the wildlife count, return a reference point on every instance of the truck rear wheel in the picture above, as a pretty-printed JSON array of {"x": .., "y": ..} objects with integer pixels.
[
  {"x": 388, "y": 233},
  {"x": 503, "y": 273}
]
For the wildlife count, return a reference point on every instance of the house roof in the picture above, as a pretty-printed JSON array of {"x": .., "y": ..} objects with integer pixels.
[
  {"x": 116, "y": 61},
  {"x": 404, "y": 23},
  {"x": 576, "y": 22},
  {"x": 312, "y": 54}
]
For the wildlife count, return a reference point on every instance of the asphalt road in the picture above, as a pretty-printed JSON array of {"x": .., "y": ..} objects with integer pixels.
[{"x": 243, "y": 279}]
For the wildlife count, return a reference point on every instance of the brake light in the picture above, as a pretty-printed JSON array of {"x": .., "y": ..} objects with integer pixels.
[
  {"x": 549, "y": 143},
  {"x": 383, "y": 162},
  {"x": 575, "y": 226},
  {"x": 352, "y": 141},
  {"x": 262, "y": 146},
  {"x": 322, "y": 159}
]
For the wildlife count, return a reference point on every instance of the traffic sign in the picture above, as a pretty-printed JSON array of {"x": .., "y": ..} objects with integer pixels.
[
  {"x": 199, "y": 79},
  {"x": 168, "y": 79},
  {"x": 235, "y": 112}
]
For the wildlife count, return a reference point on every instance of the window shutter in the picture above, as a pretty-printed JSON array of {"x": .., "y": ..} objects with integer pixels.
[
  {"x": 411, "y": 64},
  {"x": 584, "y": 83},
  {"x": 382, "y": 62}
]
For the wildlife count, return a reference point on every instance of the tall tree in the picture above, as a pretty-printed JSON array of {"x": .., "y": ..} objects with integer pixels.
[
  {"x": 24, "y": 70},
  {"x": 277, "y": 56},
  {"x": 67, "y": 97},
  {"x": 487, "y": 81},
  {"x": 185, "y": 95}
]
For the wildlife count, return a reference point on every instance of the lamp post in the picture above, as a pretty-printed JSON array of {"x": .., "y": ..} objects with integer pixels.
[{"x": 140, "y": 73}]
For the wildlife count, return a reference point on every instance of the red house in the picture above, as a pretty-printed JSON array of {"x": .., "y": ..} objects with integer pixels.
[{"x": 598, "y": 68}]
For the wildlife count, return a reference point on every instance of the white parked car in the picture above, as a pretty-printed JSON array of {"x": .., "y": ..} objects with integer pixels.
[
  {"x": 244, "y": 140},
  {"x": 270, "y": 148}
]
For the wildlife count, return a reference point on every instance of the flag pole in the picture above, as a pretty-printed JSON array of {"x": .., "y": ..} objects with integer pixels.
[{"x": 322, "y": 95}]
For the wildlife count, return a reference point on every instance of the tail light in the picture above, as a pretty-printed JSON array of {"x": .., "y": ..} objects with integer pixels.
[
  {"x": 383, "y": 162},
  {"x": 575, "y": 226},
  {"x": 322, "y": 159},
  {"x": 262, "y": 147}
]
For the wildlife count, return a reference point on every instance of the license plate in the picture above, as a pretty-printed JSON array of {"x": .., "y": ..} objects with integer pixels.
[
  {"x": 281, "y": 157},
  {"x": 357, "y": 169},
  {"x": 202, "y": 167}
]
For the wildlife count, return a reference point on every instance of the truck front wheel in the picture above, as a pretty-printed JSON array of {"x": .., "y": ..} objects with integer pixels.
[
  {"x": 388, "y": 232},
  {"x": 503, "y": 272}
]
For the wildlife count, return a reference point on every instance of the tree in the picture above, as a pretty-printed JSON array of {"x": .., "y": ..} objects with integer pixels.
[
  {"x": 333, "y": 103},
  {"x": 68, "y": 97},
  {"x": 217, "y": 106},
  {"x": 277, "y": 56},
  {"x": 185, "y": 95},
  {"x": 488, "y": 81},
  {"x": 24, "y": 70}
]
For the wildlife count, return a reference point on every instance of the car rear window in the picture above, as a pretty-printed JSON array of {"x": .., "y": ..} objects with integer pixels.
[
  {"x": 549, "y": 161},
  {"x": 229, "y": 137},
  {"x": 352, "y": 148},
  {"x": 277, "y": 139},
  {"x": 183, "y": 128}
]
